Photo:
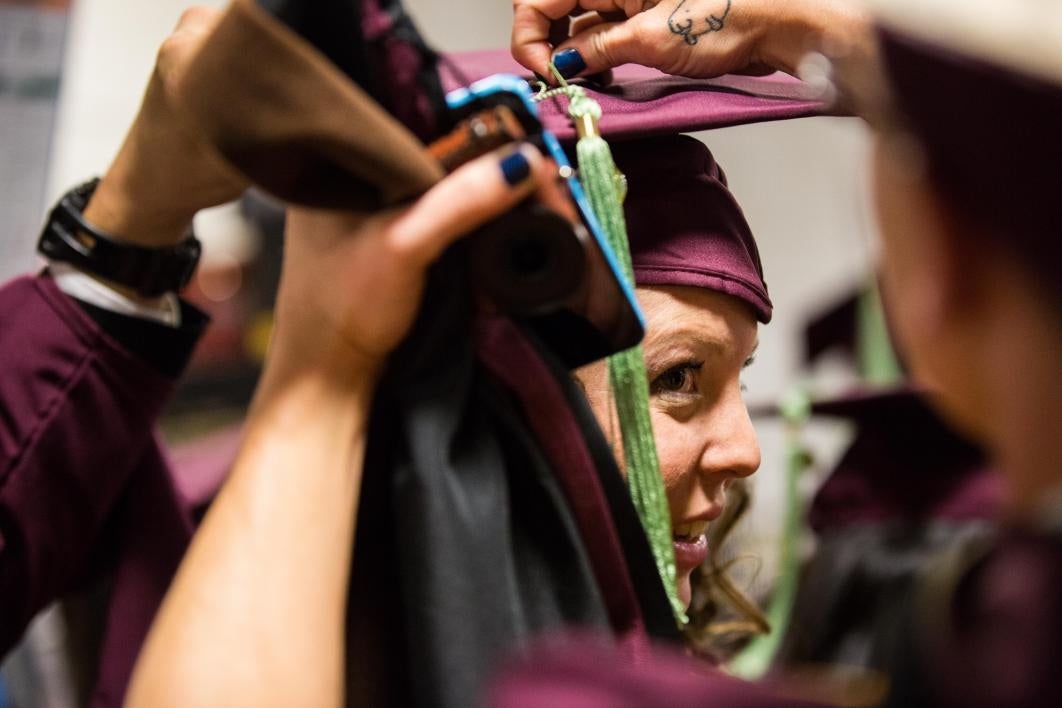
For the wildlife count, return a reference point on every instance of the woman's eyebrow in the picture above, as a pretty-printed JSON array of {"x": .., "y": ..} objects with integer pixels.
[{"x": 668, "y": 339}]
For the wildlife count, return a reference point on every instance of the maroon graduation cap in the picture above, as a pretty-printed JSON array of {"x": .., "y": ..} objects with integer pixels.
[
  {"x": 642, "y": 102},
  {"x": 643, "y": 113}
]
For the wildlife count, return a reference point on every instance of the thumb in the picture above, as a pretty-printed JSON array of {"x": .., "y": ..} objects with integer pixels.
[
  {"x": 604, "y": 46},
  {"x": 474, "y": 194}
]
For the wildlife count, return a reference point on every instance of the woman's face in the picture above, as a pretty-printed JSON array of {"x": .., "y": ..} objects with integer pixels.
[{"x": 697, "y": 343}]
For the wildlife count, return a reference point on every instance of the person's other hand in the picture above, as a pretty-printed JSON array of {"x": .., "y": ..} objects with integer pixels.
[
  {"x": 352, "y": 284},
  {"x": 164, "y": 173},
  {"x": 694, "y": 38}
]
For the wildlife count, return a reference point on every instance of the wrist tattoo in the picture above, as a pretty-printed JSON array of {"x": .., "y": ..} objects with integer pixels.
[{"x": 685, "y": 24}]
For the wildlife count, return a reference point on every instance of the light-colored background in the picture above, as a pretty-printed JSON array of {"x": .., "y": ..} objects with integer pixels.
[{"x": 802, "y": 183}]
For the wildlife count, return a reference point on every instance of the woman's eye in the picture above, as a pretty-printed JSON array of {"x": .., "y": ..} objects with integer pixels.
[{"x": 677, "y": 379}]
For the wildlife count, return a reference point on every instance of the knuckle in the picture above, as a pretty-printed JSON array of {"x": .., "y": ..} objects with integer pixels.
[
  {"x": 641, "y": 35},
  {"x": 643, "y": 41},
  {"x": 401, "y": 244},
  {"x": 190, "y": 15},
  {"x": 601, "y": 48},
  {"x": 196, "y": 16},
  {"x": 633, "y": 7},
  {"x": 167, "y": 49}
]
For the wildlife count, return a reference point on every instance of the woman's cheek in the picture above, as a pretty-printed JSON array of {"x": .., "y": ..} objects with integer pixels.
[{"x": 674, "y": 463}]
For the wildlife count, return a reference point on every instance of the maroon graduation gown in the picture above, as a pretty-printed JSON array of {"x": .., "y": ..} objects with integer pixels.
[{"x": 84, "y": 485}]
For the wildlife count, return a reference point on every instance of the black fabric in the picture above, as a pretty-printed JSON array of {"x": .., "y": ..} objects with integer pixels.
[
  {"x": 909, "y": 684},
  {"x": 376, "y": 44},
  {"x": 656, "y": 608},
  {"x": 165, "y": 348},
  {"x": 466, "y": 548},
  {"x": 854, "y": 605},
  {"x": 334, "y": 28},
  {"x": 474, "y": 551}
]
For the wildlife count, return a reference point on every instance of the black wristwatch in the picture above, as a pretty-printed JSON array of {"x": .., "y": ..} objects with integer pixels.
[{"x": 68, "y": 238}]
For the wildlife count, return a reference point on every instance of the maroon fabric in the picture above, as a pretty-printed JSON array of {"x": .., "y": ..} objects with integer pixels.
[
  {"x": 835, "y": 329},
  {"x": 154, "y": 531},
  {"x": 858, "y": 494},
  {"x": 684, "y": 225},
  {"x": 999, "y": 640},
  {"x": 995, "y": 641},
  {"x": 642, "y": 102},
  {"x": 78, "y": 454},
  {"x": 408, "y": 80},
  {"x": 992, "y": 142},
  {"x": 507, "y": 355},
  {"x": 584, "y": 673},
  {"x": 905, "y": 463}
]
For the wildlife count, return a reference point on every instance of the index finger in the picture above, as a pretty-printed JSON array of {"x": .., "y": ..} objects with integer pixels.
[{"x": 533, "y": 20}]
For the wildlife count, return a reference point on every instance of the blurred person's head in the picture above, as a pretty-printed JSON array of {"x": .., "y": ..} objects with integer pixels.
[
  {"x": 700, "y": 285},
  {"x": 969, "y": 196}
]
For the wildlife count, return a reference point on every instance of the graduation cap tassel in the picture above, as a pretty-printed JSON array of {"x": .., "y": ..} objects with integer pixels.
[{"x": 606, "y": 188}]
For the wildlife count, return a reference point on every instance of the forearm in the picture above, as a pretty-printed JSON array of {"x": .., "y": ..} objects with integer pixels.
[
  {"x": 792, "y": 29},
  {"x": 256, "y": 614}
]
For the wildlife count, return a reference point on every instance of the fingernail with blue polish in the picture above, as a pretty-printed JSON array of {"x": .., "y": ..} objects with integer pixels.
[
  {"x": 569, "y": 63},
  {"x": 515, "y": 168}
]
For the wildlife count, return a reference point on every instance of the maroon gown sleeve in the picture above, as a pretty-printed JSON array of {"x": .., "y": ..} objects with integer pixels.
[
  {"x": 77, "y": 414},
  {"x": 584, "y": 672}
]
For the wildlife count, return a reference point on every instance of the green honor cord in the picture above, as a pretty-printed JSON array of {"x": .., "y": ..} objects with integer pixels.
[
  {"x": 877, "y": 366},
  {"x": 606, "y": 188},
  {"x": 756, "y": 658}
]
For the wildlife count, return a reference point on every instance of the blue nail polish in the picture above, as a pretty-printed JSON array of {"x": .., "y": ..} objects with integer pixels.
[
  {"x": 515, "y": 168},
  {"x": 569, "y": 63}
]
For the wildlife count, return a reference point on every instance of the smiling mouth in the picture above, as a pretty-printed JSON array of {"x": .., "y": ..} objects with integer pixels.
[{"x": 689, "y": 533}]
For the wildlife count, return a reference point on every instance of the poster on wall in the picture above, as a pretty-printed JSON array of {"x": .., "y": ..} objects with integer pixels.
[{"x": 31, "y": 52}]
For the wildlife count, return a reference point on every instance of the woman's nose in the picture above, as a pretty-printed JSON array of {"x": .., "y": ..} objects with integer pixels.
[{"x": 732, "y": 448}]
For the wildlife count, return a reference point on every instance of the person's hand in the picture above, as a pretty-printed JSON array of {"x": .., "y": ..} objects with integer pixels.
[
  {"x": 163, "y": 173},
  {"x": 267, "y": 576},
  {"x": 352, "y": 284},
  {"x": 695, "y": 38}
]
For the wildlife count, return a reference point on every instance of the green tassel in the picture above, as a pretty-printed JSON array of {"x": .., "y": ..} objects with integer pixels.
[
  {"x": 606, "y": 188},
  {"x": 755, "y": 659}
]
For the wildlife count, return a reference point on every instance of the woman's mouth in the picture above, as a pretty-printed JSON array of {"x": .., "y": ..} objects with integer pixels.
[{"x": 691, "y": 546}]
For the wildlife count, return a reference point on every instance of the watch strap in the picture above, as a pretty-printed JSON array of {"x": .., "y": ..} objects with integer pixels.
[{"x": 67, "y": 237}]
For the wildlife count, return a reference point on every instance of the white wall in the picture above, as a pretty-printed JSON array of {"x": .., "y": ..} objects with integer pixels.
[{"x": 109, "y": 56}]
